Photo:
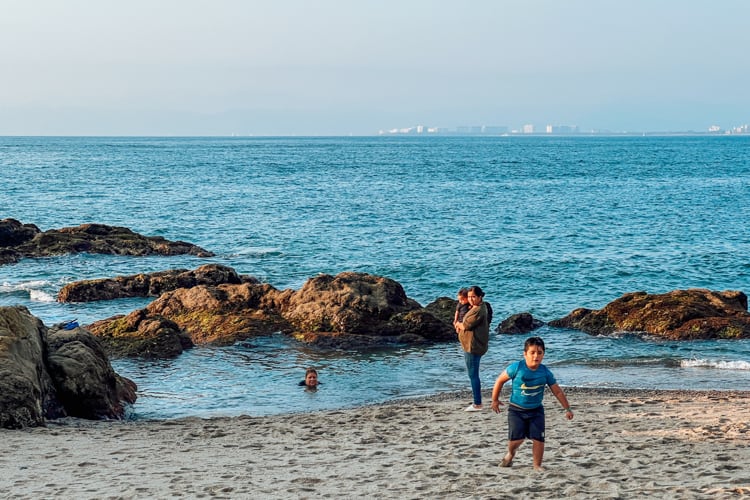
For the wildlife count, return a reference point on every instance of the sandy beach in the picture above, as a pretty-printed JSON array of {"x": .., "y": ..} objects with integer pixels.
[{"x": 621, "y": 444}]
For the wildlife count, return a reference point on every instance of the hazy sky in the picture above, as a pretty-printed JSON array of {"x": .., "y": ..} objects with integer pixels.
[{"x": 338, "y": 67}]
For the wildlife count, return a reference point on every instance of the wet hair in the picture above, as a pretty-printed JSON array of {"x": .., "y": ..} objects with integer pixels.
[
  {"x": 477, "y": 291},
  {"x": 533, "y": 341},
  {"x": 310, "y": 370},
  {"x": 463, "y": 292}
]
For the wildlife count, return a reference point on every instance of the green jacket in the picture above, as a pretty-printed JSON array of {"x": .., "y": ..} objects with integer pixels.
[{"x": 475, "y": 338}]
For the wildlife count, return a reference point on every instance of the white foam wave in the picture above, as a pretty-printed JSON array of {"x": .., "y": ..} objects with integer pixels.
[
  {"x": 24, "y": 286},
  {"x": 40, "y": 296},
  {"x": 35, "y": 290},
  {"x": 257, "y": 251},
  {"x": 721, "y": 365}
]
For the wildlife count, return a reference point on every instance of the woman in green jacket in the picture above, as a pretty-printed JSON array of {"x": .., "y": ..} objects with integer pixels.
[{"x": 474, "y": 335}]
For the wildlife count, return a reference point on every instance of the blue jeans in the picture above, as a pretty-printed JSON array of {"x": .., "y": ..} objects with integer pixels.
[{"x": 472, "y": 366}]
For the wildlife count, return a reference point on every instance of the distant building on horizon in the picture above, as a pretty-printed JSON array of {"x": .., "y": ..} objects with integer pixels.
[
  {"x": 549, "y": 129},
  {"x": 562, "y": 129},
  {"x": 495, "y": 129},
  {"x": 461, "y": 130}
]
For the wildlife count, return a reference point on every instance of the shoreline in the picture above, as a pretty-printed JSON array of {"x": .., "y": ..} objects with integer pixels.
[{"x": 622, "y": 443}]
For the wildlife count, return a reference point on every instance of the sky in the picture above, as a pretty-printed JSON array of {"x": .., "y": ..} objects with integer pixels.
[{"x": 355, "y": 67}]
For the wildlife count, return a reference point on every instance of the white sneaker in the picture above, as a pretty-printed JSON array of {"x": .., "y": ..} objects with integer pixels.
[{"x": 473, "y": 408}]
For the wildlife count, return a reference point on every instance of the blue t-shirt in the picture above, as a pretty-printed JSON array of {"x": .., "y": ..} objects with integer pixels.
[{"x": 528, "y": 385}]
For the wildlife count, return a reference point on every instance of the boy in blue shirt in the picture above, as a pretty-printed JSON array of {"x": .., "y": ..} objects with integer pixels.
[{"x": 525, "y": 411}]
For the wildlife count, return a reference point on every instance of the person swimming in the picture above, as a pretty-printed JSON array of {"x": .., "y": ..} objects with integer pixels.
[{"x": 311, "y": 379}]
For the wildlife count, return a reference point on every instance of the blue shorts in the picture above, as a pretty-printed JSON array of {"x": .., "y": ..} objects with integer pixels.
[{"x": 525, "y": 424}]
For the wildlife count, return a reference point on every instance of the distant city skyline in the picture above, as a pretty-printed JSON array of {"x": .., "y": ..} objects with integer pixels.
[
  {"x": 335, "y": 67},
  {"x": 549, "y": 129}
]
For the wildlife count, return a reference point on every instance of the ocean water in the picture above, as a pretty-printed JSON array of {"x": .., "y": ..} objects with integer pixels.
[{"x": 542, "y": 224}]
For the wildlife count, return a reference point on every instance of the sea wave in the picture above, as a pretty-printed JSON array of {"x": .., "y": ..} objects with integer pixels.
[
  {"x": 257, "y": 252},
  {"x": 32, "y": 289},
  {"x": 7, "y": 287},
  {"x": 41, "y": 296},
  {"x": 621, "y": 362},
  {"x": 720, "y": 365}
]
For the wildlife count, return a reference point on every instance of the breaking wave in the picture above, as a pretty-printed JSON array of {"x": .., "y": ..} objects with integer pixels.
[{"x": 720, "y": 365}]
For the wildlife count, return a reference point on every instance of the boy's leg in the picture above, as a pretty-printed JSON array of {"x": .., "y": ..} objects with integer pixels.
[
  {"x": 537, "y": 450},
  {"x": 517, "y": 433},
  {"x": 512, "y": 447},
  {"x": 536, "y": 433}
]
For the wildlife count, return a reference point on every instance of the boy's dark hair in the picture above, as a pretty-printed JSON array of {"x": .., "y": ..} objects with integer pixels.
[
  {"x": 537, "y": 341},
  {"x": 311, "y": 370},
  {"x": 463, "y": 292}
]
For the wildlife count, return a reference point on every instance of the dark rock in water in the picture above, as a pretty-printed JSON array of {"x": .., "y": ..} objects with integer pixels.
[
  {"x": 676, "y": 315},
  {"x": 519, "y": 323},
  {"x": 353, "y": 306},
  {"x": 48, "y": 373},
  {"x": 219, "y": 315},
  {"x": 141, "y": 335},
  {"x": 27, "y": 393},
  {"x": 350, "y": 310},
  {"x": 19, "y": 241},
  {"x": 14, "y": 233},
  {"x": 8, "y": 256},
  {"x": 151, "y": 284},
  {"x": 87, "y": 386},
  {"x": 349, "y": 302}
]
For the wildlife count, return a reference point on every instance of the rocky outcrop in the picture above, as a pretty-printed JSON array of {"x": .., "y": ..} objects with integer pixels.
[
  {"x": 177, "y": 320},
  {"x": 27, "y": 393},
  {"x": 141, "y": 335},
  {"x": 87, "y": 386},
  {"x": 13, "y": 233},
  {"x": 676, "y": 315},
  {"x": 151, "y": 284},
  {"x": 519, "y": 323},
  {"x": 52, "y": 373},
  {"x": 350, "y": 310},
  {"x": 19, "y": 240}
]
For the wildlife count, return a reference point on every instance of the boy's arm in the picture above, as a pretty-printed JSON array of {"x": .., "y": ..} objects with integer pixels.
[
  {"x": 560, "y": 395},
  {"x": 499, "y": 383}
]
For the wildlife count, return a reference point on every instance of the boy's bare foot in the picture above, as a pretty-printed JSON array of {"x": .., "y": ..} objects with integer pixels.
[
  {"x": 539, "y": 468},
  {"x": 507, "y": 460}
]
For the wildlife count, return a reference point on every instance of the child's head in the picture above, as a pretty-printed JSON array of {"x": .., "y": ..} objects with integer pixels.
[
  {"x": 463, "y": 295},
  {"x": 311, "y": 377},
  {"x": 533, "y": 352}
]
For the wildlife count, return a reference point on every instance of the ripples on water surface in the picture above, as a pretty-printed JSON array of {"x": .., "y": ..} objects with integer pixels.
[{"x": 543, "y": 224}]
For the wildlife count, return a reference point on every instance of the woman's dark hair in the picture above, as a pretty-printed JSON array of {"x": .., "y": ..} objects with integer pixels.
[
  {"x": 477, "y": 291},
  {"x": 537, "y": 341}
]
